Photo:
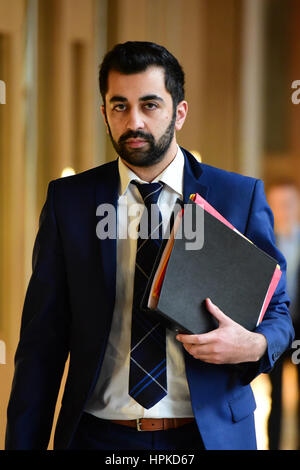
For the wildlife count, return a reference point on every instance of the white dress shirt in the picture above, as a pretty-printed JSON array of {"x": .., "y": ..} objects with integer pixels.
[{"x": 110, "y": 398}]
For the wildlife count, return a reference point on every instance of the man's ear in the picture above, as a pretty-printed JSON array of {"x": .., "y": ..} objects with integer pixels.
[
  {"x": 181, "y": 112},
  {"x": 103, "y": 112}
]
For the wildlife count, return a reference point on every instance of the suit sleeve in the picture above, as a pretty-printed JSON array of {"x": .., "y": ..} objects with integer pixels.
[
  {"x": 43, "y": 344},
  {"x": 276, "y": 325}
]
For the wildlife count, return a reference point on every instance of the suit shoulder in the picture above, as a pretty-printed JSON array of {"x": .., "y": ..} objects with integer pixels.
[
  {"x": 214, "y": 172},
  {"x": 86, "y": 178},
  {"x": 228, "y": 180}
]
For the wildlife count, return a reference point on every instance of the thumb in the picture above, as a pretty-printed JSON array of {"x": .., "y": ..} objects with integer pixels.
[{"x": 216, "y": 312}]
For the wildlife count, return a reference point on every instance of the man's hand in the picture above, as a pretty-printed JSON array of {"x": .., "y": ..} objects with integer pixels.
[{"x": 230, "y": 343}]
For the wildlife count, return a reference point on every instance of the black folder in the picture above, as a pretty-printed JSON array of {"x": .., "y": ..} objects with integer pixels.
[{"x": 234, "y": 273}]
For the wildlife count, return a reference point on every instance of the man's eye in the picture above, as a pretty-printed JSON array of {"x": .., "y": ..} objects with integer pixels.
[
  {"x": 119, "y": 107},
  {"x": 150, "y": 106}
]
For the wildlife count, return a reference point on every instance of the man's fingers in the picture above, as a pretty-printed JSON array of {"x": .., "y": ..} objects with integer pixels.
[
  {"x": 204, "y": 338},
  {"x": 205, "y": 352}
]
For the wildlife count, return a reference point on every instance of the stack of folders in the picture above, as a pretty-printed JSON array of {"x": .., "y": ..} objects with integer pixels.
[{"x": 220, "y": 264}]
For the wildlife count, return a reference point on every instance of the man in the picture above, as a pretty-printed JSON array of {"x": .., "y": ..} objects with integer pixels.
[
  {"x": 283, "y": 197},
  {"x": 81, "y": 298}
]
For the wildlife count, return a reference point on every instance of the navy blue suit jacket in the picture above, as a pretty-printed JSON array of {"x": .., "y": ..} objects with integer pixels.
[{"x": 70, "y": 301}]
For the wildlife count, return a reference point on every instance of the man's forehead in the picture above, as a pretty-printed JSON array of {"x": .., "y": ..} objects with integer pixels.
[{"x": 146, "y": 83}]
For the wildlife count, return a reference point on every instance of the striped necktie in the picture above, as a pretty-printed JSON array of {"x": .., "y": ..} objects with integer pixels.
[{"x": 148, "y": 374}]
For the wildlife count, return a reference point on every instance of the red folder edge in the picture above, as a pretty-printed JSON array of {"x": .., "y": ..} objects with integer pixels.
[{"x": 272, "y": 287}]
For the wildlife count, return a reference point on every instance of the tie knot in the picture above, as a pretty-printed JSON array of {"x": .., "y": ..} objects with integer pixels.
[{"x": 149, "y": 191}]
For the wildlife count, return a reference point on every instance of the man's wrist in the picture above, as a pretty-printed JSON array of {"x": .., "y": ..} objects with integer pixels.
[{"x": 257, "y": 347}]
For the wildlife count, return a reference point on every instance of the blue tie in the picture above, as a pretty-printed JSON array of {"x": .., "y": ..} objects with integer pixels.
[{"x": 148, "y": 373}]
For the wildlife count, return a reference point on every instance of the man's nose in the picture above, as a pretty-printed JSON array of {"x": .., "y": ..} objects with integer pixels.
[{"x": 135, "y": 120}]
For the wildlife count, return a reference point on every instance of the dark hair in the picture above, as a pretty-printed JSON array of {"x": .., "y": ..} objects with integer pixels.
[{"x": 136, "y": 56}]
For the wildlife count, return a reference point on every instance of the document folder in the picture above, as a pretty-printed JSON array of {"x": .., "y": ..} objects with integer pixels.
[{"x": 228, "y": 268}]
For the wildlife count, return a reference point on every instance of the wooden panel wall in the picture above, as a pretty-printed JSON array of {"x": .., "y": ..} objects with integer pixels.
[
  {"x": 12, "y": 186},
  {"x": 49, "y": 56},
  {"x": 68, "y": 92},
  {"x": 51, "y": 118},
  {"x": 281, "y": 156}
]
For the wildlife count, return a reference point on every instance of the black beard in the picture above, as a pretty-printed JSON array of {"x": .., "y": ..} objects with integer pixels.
[{"x": 140, "y": 157}]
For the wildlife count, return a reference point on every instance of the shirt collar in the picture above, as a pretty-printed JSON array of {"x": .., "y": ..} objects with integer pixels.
[{"x": 171, "y": 176}]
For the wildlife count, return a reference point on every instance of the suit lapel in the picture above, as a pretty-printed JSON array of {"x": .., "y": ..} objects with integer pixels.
[
  {"x": 191, "y": 185},
  {"x": 107, "y": 200},
  {"x": 192, "y": 173}
]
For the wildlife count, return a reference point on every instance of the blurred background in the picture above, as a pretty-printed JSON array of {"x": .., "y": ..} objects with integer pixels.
[{"x": 241, "y": 59}]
